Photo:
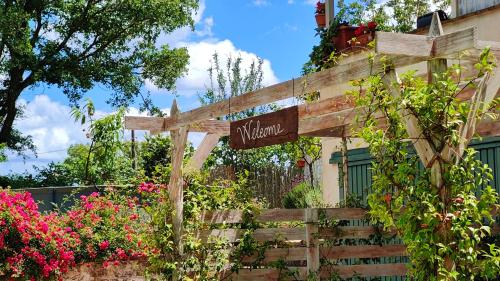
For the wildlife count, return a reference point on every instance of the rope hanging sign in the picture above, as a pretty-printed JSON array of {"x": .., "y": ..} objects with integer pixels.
[{"x": 267, "y": 129}]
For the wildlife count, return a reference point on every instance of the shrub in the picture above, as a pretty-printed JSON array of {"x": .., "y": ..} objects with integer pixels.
[
  {"x": 303, "y": 196},
  {"x": 99, "y": 228},
  {"x": 108, "y": 226},
  {"x": 32, "y": 246}
]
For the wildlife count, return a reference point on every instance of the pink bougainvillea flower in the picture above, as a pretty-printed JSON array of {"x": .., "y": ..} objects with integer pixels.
[{"x": 104, "y": 245}]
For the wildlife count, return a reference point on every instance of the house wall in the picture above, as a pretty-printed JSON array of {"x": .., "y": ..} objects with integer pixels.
[{"x": 487, "y": 23}]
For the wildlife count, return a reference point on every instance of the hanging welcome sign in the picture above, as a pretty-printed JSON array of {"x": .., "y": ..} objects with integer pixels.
[{"x": 267, "y": 129}]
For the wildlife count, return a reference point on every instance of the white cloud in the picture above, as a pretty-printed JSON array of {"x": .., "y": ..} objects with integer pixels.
[
  {"x": 51, "y": 126},
  {"x": 290, "y": 2},
  {"x": 261, "y": 3},
  {"x": 311, "y": 2},
  {"x": 200, "y": 56}
]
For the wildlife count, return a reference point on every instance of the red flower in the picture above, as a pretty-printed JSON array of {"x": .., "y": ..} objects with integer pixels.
[
  {"x": 388, "y": 198},
  {"x": 360, "y": 30},
  {"x": 104, "y": 245},
  {"x": 372, "y": 25},
  {"x": 320, "y": 8}
]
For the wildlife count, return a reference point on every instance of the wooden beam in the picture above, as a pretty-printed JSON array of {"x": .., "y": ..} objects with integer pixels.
[
  {"x": 426, "y": 47},
  {"x": 203, "y": 151},
  {"x": 176, "y": 183},
  {"x": 488, "y": 89},
  {"x": 439, "y": 65},
  {"x": 339, "y": 74},
  {"x": 155, "y": 124},
  {"x": 403, "y": 44},
  {"x": 423, "y": 148}
]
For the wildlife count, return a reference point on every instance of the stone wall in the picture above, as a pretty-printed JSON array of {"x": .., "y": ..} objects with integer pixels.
[{"x": 128, "y": 271}]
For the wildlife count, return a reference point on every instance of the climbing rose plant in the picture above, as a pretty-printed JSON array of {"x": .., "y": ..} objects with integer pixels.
[{"x": 447, "y": 228}]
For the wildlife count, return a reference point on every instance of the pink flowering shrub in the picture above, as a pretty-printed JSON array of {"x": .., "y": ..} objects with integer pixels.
[
  {"x": 32, "y": 246},
  {"x": 98, "y": 228},
  {"x": 109, "y": 228}
]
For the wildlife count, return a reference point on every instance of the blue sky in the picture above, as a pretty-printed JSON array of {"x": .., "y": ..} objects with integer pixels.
[{"x": 279, "y": 31}]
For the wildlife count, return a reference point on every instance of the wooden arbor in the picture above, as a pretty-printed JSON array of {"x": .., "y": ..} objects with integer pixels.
[{"x": 331, "y": 117}]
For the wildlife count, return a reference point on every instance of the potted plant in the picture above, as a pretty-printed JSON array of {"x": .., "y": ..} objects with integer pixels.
[{"x": 320, "y": 14}]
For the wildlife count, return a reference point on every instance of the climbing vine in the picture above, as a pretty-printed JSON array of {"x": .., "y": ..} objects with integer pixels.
[{"x": 444, "y": 217}]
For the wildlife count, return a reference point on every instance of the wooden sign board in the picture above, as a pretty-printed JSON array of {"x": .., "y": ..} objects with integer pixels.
[{"x": 267, "y": 129}]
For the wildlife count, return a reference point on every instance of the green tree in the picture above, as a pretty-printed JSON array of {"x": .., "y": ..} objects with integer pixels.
[
  {"x": 106, "y": 154},
  {"x": 229, "y": 81},
  {"x": 75, "y": 45},
  {"x": 155, "y": 153},
  {"x": 307, "y": 149}
]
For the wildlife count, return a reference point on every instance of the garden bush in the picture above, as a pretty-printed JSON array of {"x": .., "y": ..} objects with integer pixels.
[
  {"x": 303, "y": 196},
  {"x": 35, "y": 246}
]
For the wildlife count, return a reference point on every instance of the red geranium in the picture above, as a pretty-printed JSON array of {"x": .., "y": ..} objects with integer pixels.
[
  {"x": 360, "y": 30},
  {"x": 372, "y": 25},
  {"x": 320, "y": 8}
]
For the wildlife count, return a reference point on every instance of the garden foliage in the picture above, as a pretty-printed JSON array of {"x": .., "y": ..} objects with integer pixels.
[
  {"x": 35, "y": 246},
  {"x": 443, "y": 216}
]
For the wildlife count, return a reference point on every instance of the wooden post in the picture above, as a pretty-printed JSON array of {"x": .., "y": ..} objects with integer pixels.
[
  {"x": 312, "y": 242},
  {"x": 134, "y": 158},
  {"x": 176, "y": 183},
  {"x": 435, "y": 66}
]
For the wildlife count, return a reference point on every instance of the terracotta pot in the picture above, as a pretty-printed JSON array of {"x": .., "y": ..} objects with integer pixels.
[
  {"x": 344, "y": 34},
  {"x": 301, "y": 163},
  {"x": 321, "y": 20}
]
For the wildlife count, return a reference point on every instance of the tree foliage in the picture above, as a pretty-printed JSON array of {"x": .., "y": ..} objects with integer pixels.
[{"x": 75, "y": 45}]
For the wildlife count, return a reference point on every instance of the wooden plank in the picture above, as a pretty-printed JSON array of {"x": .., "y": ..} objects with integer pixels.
[
  {"x": 312, "y": 241},
  {"x": 365, "y": 270},
  {"x": 403, "y": 44},
  {"x": 454, "y": 43},
  {"x": 261, "y": 234},
  {"x": 276, "y": 215},
  {"x": 488, "y": 89},
  {"x": 156, "y": 124},
  {"x": 276, "y": 254},
  {"x": 345, "y": 213},
  {"x": 426, "y": 47},
  {"x": 325, "y": 106},
  {"x": 343, "y": 232},
  {"x": 365, "y": 251},
  {"x": 265, "y": 274},
  {"x": 268, "y": 215},
  {"x": 203, "y": 151}
]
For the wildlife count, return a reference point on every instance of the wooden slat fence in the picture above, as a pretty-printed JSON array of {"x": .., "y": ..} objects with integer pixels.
[{"x": 309, "y": 244}]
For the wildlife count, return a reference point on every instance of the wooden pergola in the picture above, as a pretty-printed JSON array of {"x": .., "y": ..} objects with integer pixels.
[{"x": 332, "y": 117}]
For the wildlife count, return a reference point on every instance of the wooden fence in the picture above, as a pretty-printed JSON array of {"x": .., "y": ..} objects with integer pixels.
[
  {"x": 318, "y": 242},
  {"x": 273, "y": 182}
]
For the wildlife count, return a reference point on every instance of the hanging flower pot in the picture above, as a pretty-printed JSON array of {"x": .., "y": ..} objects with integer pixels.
[
  {"x": 321, "y": 20},
  {"x": 320, "y": 14},
  {"x": 301, "y": 163}
]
